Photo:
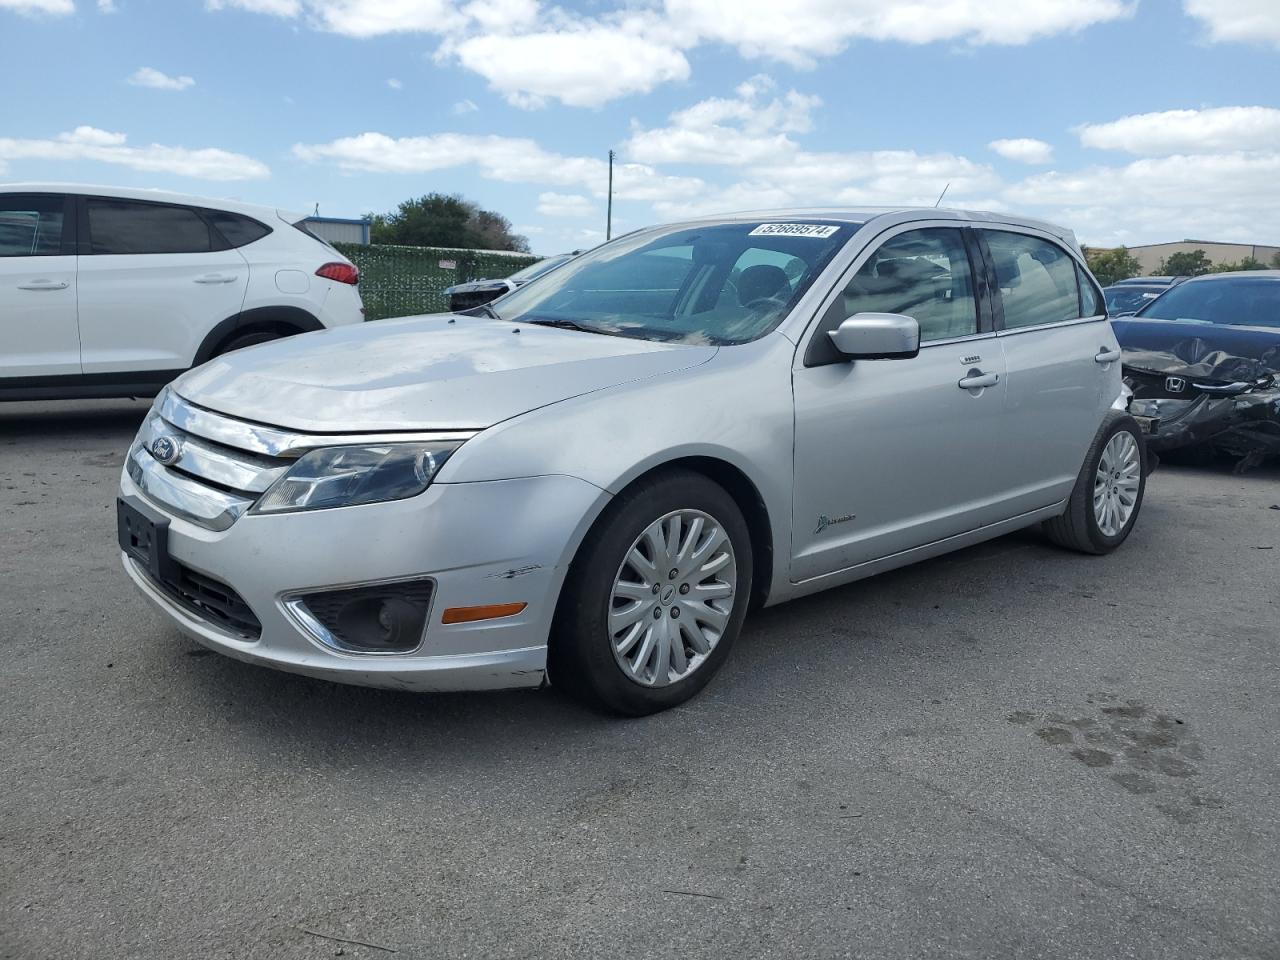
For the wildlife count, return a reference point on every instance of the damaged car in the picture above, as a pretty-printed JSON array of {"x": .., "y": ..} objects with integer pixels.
[{"x": 1203, "y": 362}]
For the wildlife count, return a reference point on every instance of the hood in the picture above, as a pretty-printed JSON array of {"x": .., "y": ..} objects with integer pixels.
[
  {"x": 423, "y": 373},
  {"x": 1202, "y": 351}
]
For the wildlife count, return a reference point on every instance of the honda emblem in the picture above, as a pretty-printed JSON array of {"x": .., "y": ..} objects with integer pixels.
[{"x": 1175, "y": 384}]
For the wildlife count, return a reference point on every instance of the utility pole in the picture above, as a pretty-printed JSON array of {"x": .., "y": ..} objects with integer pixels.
[{"x": 608, "y": 224}]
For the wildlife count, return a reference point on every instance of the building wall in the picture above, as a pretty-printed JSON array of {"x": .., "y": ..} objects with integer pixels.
[
  {"x": 1151, "y": 255},
  {"x": 339, "y": 231}
]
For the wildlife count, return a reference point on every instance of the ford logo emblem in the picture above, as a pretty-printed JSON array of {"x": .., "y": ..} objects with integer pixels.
[{"x": 166, "y": 449}]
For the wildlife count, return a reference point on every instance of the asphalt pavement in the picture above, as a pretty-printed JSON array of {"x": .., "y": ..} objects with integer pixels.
[{"x": 1011, "y": 751}]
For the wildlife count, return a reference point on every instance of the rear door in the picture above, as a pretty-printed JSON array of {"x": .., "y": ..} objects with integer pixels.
[
  {"x": 155, "y": 279},
  {"x": 38, "y": 335},
  {"x": 895, "y": 454},
  {"x": 1062, "y": 362}
]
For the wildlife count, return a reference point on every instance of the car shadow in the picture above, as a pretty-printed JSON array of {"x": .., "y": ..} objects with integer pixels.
[{"x": 335, "y": 725}]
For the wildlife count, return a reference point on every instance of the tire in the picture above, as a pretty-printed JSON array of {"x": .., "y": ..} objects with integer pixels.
[
  {"x": 1081, "y": 527},
  {"x": 247, "y": 340},
  {"x": 602, "y": 583}
]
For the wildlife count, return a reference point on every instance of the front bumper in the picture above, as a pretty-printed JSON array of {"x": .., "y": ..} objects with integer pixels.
[{"x": 507, "y": 541}]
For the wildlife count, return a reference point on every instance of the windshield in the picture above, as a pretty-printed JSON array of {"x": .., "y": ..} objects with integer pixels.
[
  {"x": 714, "y": 283},
  {"x": 538, "y": 269},
  {"x": 1235, "y": 301}
]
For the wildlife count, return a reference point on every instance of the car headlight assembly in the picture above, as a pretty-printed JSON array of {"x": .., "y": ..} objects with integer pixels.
[{"x": 348, "y": 476}]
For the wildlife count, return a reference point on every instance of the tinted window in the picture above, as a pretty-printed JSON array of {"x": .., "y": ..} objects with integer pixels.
[
  {"x": 1130, "y": 299},
  {"x": 1037, "y": 279},
  {"x": 1091, "y": 304},
  {"x": 121, "y": 226},
  {"x": 923, "y": 274},
  {"x": 30, "y": 226},
  {"x": 1236, "y": 301},
  {"x": 235, "y": 229}
]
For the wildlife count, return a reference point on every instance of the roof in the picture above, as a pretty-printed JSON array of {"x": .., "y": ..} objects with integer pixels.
[
  {"x": 862, "y": 215},
  {"x": 162, "y": 196},
  {"x": 1234, "y": 274}
]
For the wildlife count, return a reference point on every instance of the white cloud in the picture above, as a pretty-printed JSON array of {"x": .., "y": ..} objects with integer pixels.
[
  {"x": 798, "y": 31},
  {"x": 565, "y": 205},
  {"x": 1227, "y": 196},
  {"x": 374, "y": 18},
  {"x": 1212, "y": 130},
  {"x": 1244, "y": 21},
  {"x": 107, "y": 6},
  {"x": 394, "y": 84},
  {"x": 584, "y": 65},
  {"x": 151, "y": 77},
  {"x": 465, "y": 106},
  {"x": 510, "y": 159},
  {"x": 57, "y": 8},
  {"x": 502, "y": 16},
  {"x": 276, "y": 8},
  {"x": 1023, "y": 150},
  {"x": 738, "y": 131},
  {"x": 89, "y": 143}
]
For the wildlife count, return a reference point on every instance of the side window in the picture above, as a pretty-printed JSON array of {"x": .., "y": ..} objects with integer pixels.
[
  {"x": 1091, "y": 302},
  {"x": 235, "y": 229},
  {"x": 30, "y": 226},
  {"x": 123, "y": 226},
  {"x": 923, "y": 274},
  {"x": 1037, "y": 279}
]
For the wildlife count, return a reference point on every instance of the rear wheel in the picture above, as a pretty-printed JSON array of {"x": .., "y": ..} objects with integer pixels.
[
  {"x": 1107, "y": 497},
  {"x": 655, "y": 598}
]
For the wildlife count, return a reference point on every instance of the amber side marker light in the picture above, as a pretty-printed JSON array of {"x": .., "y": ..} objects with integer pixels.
[{"x": 492, "y": 611}]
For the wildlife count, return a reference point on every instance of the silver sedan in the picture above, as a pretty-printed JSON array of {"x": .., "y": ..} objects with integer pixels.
[{"x": 592, "y": 482}]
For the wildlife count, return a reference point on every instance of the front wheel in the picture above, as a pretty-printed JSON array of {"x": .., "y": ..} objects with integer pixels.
[
  {"x": 655, "y": 598},
  {"x": 1107, "y": 497}
]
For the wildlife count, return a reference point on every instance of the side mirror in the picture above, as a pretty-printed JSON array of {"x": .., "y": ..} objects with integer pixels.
[{"x": 877, "y": 336}]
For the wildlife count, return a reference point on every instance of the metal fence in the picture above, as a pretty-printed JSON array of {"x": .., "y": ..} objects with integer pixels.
[{"x": 403, "y": 281}]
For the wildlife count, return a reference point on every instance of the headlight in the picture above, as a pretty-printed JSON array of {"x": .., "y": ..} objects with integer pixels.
[{"x": 346, "y": 476}]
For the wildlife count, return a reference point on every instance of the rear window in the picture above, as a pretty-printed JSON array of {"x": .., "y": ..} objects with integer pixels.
[
  {"x": 237, "y": 230},
  {"x": 301, "y": 225},
  {"x": 127, "y": 227},
  {"x": 30, "y": 226},
  {"x": 1037, "y": 279}
]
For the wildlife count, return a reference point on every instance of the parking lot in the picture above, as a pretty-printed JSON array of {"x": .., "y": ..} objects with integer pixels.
[{"x": 1009, "y": 751}]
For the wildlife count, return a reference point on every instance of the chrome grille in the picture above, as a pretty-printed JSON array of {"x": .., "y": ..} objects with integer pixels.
[{"x": 224, "y": 464}]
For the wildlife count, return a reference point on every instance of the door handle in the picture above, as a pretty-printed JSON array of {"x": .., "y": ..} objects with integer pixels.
[
  {"x": 1106, "y": 356},
  {"x": 976, "y": 380},
  {"x": 45, "y": 285},
  {"x": 215, "y": 278}
]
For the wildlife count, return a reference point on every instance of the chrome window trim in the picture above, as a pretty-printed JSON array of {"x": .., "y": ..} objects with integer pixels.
[
  {"x": 276, "y": 442},
  {"x": 1052, "y": 325}
]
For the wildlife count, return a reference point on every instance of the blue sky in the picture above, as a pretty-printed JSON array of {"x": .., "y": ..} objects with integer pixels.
[{"x": 1129, "y": 120}]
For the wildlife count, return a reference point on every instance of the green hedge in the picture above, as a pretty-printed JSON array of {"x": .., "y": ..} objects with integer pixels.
[{"x": 403, "y": 281}]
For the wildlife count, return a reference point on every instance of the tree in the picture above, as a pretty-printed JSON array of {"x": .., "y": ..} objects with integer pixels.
[
  {"x": 1275, "y": 261},
  {"x": 1185, "y": 264},
  {"x": 1112, "y": 265},
  {"x": 1248, "y": 263},
  {"x": 445, "y": 220}
]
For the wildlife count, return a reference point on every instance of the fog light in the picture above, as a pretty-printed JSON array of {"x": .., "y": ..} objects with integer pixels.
[{"x": 383, "y": 618}]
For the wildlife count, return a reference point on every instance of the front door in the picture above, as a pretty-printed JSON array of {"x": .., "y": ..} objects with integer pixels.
[
  {"x": 153, "y": 284},
  {"x": 38, "y": 335},
  {"x": 895, "y": 454}
]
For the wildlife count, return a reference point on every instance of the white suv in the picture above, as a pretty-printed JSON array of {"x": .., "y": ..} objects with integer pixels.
[{"x": 108, "y": 292}]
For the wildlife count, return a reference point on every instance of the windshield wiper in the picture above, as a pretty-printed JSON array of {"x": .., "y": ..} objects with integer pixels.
[{"x": 562, "y": 323}]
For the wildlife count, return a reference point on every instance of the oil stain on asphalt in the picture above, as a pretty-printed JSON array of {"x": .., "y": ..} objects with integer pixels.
[{"x": 1143, "y": 751}]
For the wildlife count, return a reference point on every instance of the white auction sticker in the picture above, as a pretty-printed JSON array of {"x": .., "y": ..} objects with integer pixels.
[{"x": 819, "y": 231}]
